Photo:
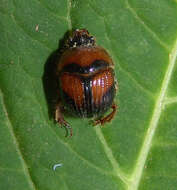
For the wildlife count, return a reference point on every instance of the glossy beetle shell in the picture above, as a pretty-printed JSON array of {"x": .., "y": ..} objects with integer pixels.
[{"x": 86, "y": 80}]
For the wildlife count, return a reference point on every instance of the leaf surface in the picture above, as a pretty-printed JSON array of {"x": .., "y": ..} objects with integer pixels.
[{"x": 137, "y": 150}]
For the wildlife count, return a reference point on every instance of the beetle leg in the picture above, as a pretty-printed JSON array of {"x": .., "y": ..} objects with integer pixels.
[
  {"x": 60, "y": 119},
  {"x": 107, "y": 118}
]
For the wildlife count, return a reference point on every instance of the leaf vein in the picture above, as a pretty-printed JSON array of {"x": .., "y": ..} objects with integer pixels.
[
  {"x": 154, "y": 35},
  {"x": 24, "y": 164},
  {"x": 158, "y": 107},
  {"x": 69, "y": 4},
  {"x": 118, "y": 172},
  {"x": 170, "y": 100}
]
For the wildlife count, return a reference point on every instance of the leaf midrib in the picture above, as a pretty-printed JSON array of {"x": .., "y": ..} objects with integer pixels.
[{"x": 137, "y": 173}]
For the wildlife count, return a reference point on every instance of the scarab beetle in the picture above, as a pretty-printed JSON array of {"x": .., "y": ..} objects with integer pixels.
[{"x": 85, "y": 74}]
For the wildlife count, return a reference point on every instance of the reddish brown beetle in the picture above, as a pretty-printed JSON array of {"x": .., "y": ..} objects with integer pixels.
[{"x": 85, "y": 73}]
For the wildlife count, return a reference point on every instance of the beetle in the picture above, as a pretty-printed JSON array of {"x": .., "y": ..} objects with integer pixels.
[{"x": 86, "y": 80}]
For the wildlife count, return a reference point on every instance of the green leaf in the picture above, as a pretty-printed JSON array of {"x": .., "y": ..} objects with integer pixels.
[{"x": 137, "y": 150}]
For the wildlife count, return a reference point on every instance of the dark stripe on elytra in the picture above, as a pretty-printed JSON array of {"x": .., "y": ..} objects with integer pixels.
[
  {"x": 91, "y": 110},
  {"x": 88, "y": 95},
  {"x": 106, "y": 102},
  {"x": 94, "y": 66}
]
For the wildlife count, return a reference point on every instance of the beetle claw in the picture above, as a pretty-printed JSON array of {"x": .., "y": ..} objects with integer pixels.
[
  {"x": 59, "y": 119},
  {"x": 107, "y": 118},
  {"x": 68, "y": 127}
]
